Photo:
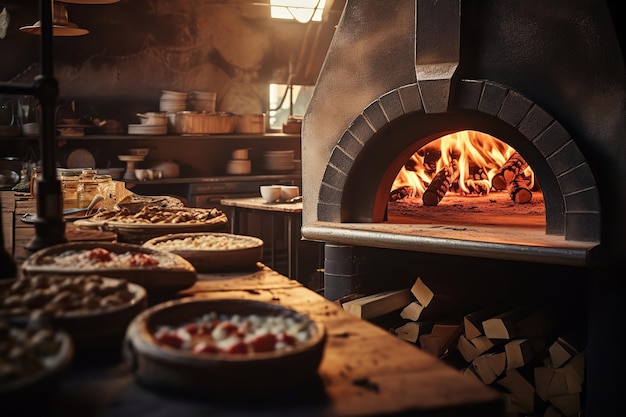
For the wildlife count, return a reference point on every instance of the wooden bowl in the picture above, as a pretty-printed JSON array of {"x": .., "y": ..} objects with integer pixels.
[
  {"x": 170, "y": 369},
  {"x": 174, "y": 273},
  {"x": 93, "y": 329},
  {"x": 212, "y": 252},
  {"x": 27, "y": 394}
]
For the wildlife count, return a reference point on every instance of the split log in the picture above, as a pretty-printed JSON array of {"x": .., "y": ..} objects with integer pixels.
[
  {"x": 467, "y": 349},
  {"x": 412, "y": 311},
  {"x": 554, "y": 382},
  {"x": 412, "y": 330},
  {"x": 473, "y": 322},
  {"x": 440, "y": 184},
  {"x": 442, "y": 337},
  {"x": 518, "y": 190},
  {"x": 568, "y": 405},
  {"x": 519, "y": 352},
  {"x": 376, "y": 305},
  {"x": 560, "y": 352},
  {"x": 490, "y": 366},
  {"x": 520, "y": 322},
  {"x": 478, "y": 187},
  {"x": 400, "y": 193},
  {"x": 482, "y": 343},
  {"x": 521, "y": 398},
  {"x": 483, "y": 370},
  {"x": 513, "y": 167}
]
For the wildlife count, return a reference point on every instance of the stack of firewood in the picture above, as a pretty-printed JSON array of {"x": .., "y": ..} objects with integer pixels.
[
  {"x": 509, "y": 177},
  {"x": 516, "y": 349}
]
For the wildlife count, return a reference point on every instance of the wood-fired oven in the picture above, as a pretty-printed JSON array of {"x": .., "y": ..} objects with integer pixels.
[{"x": 544, "y": 77}]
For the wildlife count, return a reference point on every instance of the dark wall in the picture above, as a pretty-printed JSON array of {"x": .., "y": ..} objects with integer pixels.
[{"x": 136, "y": 48}]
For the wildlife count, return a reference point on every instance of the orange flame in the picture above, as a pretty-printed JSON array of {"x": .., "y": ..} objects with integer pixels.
[{"x": 478, "y": 157}]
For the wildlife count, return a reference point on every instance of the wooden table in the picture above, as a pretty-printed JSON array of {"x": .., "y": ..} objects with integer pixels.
[
  {"x": 18, "y": 233},
  {"x": 365, "y": 370},
  {"x": 290, "y": 213}
]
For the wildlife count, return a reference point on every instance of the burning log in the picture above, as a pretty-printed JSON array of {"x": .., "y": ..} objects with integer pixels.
[
  {"x": 440, "y": 185},
  {"x": 518, "y": 191},
  {"x": 431, "y": 156},
  {"x": 478, "y": 187},
  {"x": 511, "y": 169},
  {"x": 400, "y": 193}
]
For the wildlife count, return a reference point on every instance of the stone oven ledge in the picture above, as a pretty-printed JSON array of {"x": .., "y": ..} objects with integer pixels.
[{"x": 525, "y": 244}]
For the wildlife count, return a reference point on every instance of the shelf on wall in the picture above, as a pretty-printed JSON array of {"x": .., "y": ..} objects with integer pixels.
[{"x": 164, "y": 137}]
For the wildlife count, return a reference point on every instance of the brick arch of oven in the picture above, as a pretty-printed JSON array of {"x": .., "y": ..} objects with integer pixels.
[{"x": 371, "y": 151}]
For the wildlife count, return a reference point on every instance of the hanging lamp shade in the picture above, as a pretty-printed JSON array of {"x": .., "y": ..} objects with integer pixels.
[
  {"x": 61, "y": 26},
  {"x": 91, "y": 1}
]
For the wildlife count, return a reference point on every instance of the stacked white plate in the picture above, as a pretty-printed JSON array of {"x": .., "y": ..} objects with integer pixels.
[
  {"x": 144, "y": 129},
  {"x": 173, "y": 101},
  {"x": 279, "y": 161}
]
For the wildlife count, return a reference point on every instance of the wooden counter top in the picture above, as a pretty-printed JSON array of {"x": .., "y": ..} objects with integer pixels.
[
  {"x": 365, "y": 370},
  {"x": 257, "y": 203}
]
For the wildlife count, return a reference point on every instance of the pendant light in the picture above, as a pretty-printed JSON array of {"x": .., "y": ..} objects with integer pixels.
[
  {"x": 61, "y": 26},
  {"x": 91, "y": 1}
]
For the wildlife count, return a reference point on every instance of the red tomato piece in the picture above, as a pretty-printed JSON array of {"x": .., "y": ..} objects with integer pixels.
[
  {"x": 287, "y": 339},
  {"x": 239, "y": 348},
  {"x": 205, "y": 347},
  {"x": 264, "y": 343},
  {"x": 204, "y": 328},
  {"x": 99, "y": 254},
  {"x": 169, "y": 339},
  {"x": 192, "y": 328},
  {"x": 229, "y": 327},
  {"x": 142, "y": 259}
]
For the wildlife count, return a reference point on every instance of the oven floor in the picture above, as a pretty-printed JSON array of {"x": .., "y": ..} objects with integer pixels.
[{"x": 494, "y": 209}]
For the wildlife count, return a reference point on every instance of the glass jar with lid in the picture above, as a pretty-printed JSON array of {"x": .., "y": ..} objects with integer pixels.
[
  {"x": 69, "y": 185},
  {"x": 106, "y": 187},
  {"x": 87, "y": 187},
  {"x": 35, "y": 176}
]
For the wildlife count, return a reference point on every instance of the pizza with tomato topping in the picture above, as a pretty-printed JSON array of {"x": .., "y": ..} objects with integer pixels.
[
  {"x": 236, "y": 334},
  {"x": 103, "y": 258},
  {"x": 152, "y": 269}
]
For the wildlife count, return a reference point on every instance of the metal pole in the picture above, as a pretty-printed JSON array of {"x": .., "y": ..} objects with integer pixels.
[{"x": 49, "y": 224}]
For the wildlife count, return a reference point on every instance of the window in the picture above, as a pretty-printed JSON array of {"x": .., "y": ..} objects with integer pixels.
[
  {"x": 303, "y": 11},
  {"x": 285, "y": 101}
]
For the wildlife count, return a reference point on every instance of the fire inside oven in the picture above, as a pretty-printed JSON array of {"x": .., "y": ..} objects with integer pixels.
[{"x": 467, "y": 176}]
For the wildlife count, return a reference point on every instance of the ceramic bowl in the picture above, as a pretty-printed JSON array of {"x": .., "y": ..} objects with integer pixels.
[
  {"x": 142, "y": 174},
  {"x": 270, "y": 193},
  {"x": 287, "y": 192}
]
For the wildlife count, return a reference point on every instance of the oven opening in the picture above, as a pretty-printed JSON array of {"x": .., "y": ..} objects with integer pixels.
[{"x": 467, "y": 177}]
